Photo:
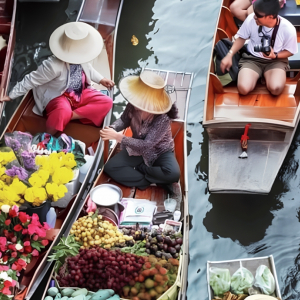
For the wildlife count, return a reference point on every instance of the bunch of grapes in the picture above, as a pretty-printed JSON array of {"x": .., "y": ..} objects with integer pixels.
[{"x": 98, "y": 268}]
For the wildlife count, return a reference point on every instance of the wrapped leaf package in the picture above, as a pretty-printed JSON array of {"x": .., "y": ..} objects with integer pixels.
[
  {"x": 241, "y": 281},
  {"x": 219, "y": 280},
  {"x": 264, "y": 280}
]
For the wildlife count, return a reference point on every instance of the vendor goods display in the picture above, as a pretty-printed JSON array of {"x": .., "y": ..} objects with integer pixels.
[
  {"x": 22, "y": 238},
  {"x": 243, "y": 279},
  {"x": 134, "y": 262}
]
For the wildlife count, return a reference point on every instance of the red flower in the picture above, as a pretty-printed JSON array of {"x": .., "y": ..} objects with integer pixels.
[
  {"x": 5, "y": 258},
  {"x": 13, "y": 212},
  {"x": 24, "y": 231},
  {"x": 27, "y": 243},
  {"x": 12, "y": 247},
  {"x": 23, "y": 217},
  {"x": 14, "y": 254},
  {"x": 6, "y": 233},
  {"x": 3, "y": 242},
  {"x": 19, "y": 265},
  {"x": 45, "y": 242},
  {"x": 35, "y": 237},
  {"x": 28, "y": 249},
  {"x": 18, "y": 227},
  {"x": 35, "y": 253},
  {"x": 7, "y": 222},
  {"x": 13, "y": 239}
]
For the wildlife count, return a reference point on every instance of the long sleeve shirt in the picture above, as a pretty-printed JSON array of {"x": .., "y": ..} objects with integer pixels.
[{"x": 150, "y": 138}]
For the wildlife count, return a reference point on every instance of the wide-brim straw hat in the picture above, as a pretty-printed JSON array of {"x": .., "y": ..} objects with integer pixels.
[
  {"x": 76, "y": 43},
  {"x": 146, "y": 92},
  {"x": 260, "y": 297}
]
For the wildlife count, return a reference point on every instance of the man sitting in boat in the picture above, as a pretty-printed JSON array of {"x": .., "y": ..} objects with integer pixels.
[
  {"x": 62, "y": 84},
  {"x": 267, "y": 52},
  {"x": 148, "y": 156}
]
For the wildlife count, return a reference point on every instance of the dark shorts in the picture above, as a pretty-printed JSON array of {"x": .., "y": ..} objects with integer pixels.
[{"x": 261, "y": 65}]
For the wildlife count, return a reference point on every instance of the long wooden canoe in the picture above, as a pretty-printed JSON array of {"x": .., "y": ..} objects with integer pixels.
[
  {"x": 273, "y": 119},
  {"x": 182, "y": 83},
  {"x": 26, "y": 121}
]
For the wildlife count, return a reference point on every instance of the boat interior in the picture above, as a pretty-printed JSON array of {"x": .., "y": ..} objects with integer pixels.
[{"x": 224, "y": 103}]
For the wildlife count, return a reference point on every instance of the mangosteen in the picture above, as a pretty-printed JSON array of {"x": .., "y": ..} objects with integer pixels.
[
  {"x": 159, "y": 238},
  {"x": 158, "y": 254}
]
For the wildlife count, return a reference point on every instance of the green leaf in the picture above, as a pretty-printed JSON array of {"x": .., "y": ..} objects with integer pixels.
[{"x": 95, "y": 215}]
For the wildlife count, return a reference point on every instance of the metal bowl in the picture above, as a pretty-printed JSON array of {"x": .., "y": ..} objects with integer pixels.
[{"x": 106, "y": 194}]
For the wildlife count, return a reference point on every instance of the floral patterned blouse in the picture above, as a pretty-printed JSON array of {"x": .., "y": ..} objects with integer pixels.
[{"x": 150, "y": 137}]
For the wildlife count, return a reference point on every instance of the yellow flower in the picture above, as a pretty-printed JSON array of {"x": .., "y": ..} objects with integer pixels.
[
  {"x": 39, "y": 178},
  {"x": 35, "y": 195},
  {"x": 2, "y": 184},
  {"x": 69, "y": 160},
  {"x": 9, "y": 196},
  {"x": 62, "y": 176},
  {"x": 6, "y": 157},
  {"x": 2, "y": 170},
  {"x": 18, "y": 186},
  {"x": 41, "y": 160},
  {"x": 7, "y": 179},
  {"x": 56, "y": 191}
]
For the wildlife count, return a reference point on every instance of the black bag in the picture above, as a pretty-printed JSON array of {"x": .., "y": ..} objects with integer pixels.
[
  {"x": 159, "y": 218},
  {"x": 220, "y": 51}
]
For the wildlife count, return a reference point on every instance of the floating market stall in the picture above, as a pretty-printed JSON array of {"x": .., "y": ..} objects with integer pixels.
[
  {"x": 122, "y": 242},
  {"x": 43, "y": 178}
]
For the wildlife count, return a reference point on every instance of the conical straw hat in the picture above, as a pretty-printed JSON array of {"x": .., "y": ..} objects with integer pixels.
[
  {"x": 146, "y": 92},
  {"x": 76, "y": 43}
]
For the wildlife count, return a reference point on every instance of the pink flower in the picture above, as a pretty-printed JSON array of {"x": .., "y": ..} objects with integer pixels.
[
  {"x": 18, "y": 227},
  {"x": 45, "y": 242},
  {"x": 7, "y": 222},
  {"x": 3, "y": 241},
  {"x": 46, "y": 226},
  {"x": 27, "y": 243},
  {"x": 24, "y": 231},
  {"x": 35, "y": 237},
  {"x": 4, "y": 268},
  {"x": 35, "y": 220},
  {"x": 35, "y": 253},
  {"x": 14, "y": 254}
]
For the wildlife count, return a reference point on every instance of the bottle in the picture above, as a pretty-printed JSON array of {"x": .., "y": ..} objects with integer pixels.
[
  {"x": 51, "y": 217},
  {"x": 177, "y": 215}
]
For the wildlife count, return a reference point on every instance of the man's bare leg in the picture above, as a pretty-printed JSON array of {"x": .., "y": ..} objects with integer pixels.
[
  {"x": 247, "y": 79},
  {"x": 75, "y": 116},
  {"x": 275, "y": 81},
  {"x": 239, "y": 9},
  {"x": 51, "y": 131}
]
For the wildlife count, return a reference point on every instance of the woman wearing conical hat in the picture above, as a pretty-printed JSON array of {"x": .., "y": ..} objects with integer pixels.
[
  {"x": 148, "y": 156},
  {"x": 61, "y": 85}
]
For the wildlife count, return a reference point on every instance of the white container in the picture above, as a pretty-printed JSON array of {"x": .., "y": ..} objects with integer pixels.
[
  {"x": 51, "y": 217},
  {"x": 85, "y": 168},
  {"x": 170, "y": 204}
]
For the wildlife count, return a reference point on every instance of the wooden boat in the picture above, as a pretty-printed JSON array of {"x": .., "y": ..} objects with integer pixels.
[
  {"x": 226, "y": 113},
  {"x": 182, "y": 83},
  {"x": 249, "y": 263},
  {"x": 26, "y": 121}
]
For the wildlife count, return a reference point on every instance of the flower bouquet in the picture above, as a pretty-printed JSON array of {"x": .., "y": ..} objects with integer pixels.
[{"x": 21, "y": 237}]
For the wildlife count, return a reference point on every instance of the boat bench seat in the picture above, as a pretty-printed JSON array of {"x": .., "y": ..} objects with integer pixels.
[
  {"x": 261, "y": 100},
  {"x": 34, "y": 124},
  {"x": 262, "y": 112}
]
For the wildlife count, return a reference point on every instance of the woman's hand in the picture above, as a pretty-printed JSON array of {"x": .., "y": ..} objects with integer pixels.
[
  {"x": 108, "y": 133},
  {"x": 4, "y": 98},
  {"x": 107, "y": 83}
]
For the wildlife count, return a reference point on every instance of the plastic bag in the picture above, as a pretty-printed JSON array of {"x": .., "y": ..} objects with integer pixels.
[
  {"x": 20, "y": 143},
  {"x": 264, "y": 280},
  {"x": 219, "y": 280},
  {"x": 241, "y": 281}
]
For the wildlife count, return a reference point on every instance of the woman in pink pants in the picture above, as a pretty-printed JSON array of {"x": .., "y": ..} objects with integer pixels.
[{"x": 62, "y": 84}]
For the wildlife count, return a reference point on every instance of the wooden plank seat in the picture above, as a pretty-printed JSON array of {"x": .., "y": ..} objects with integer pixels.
[
  {"x": 34, "y": 124},
  {"x": 234, "y": 99},
  {"x": 262, "y": 112}
]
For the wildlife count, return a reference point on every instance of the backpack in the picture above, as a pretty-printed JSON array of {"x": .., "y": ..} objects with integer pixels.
[{"x": 220, "y": 51}]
